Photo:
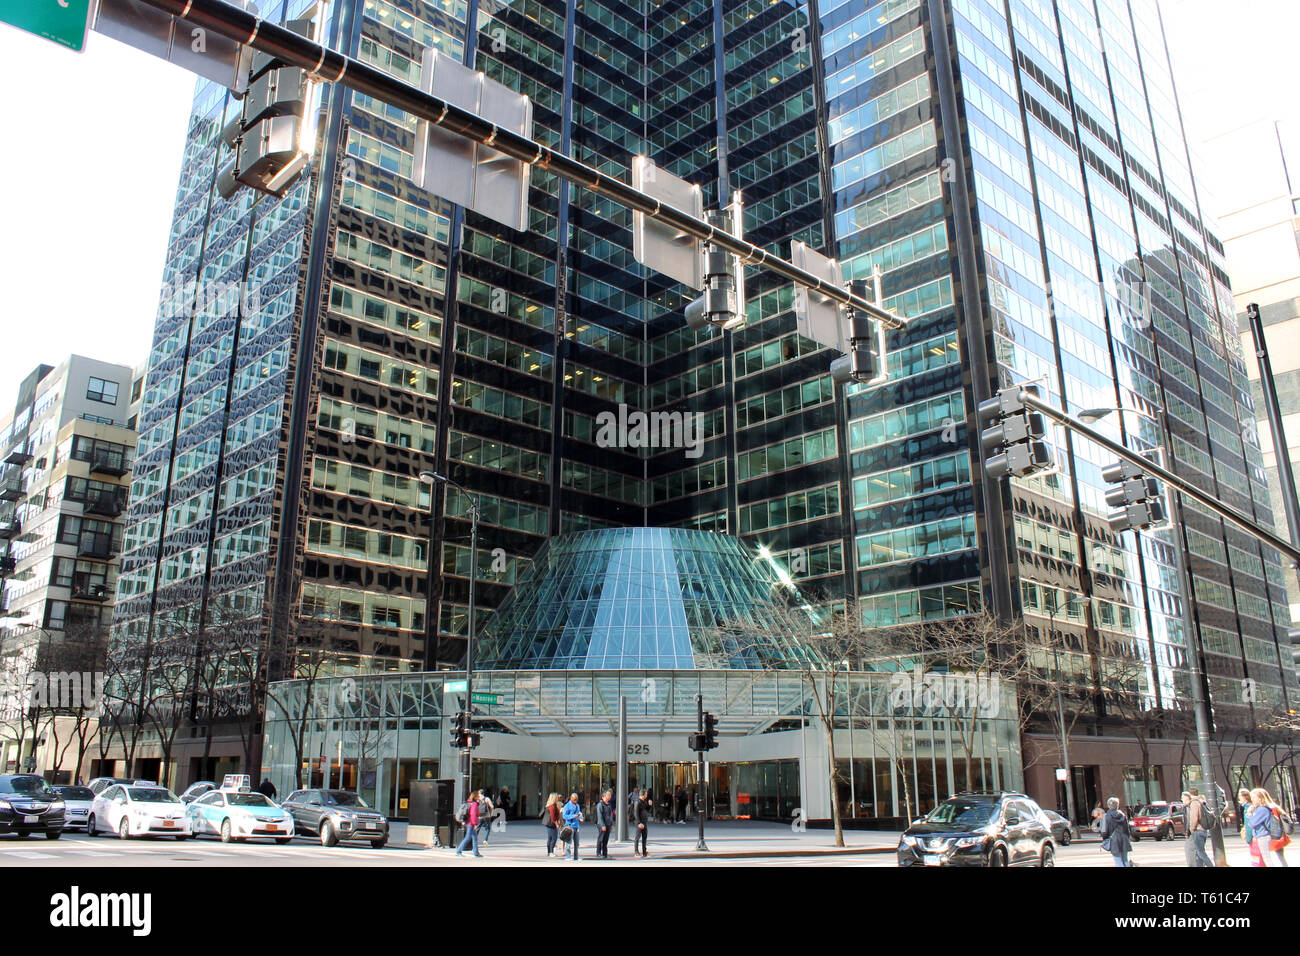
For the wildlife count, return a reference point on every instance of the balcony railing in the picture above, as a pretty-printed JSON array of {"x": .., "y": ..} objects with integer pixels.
[
  {"x": 12, "y": 489},
  {"x": 10, "y": 528},
  {"x": 108, "y": 504},
  {"x": 18, "y": 456},
  {"x": 88, "y": 589},
  {"x": 8, "y": 565},
  {"x": 113, "y": 463}
]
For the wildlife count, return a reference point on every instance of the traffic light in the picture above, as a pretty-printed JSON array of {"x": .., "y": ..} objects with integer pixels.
[
  {"x": 710, "y": 731},
  {"x": 267, "y": 135},
  {"x": 1136, "y": 498},
  {"x": 697, "y": 742},
  {"x": 1011, "y": 434},
  {"x": 865, "y": 361},
  {"x": 723, "y": 301},
  {"x": 462, "y": 737}
]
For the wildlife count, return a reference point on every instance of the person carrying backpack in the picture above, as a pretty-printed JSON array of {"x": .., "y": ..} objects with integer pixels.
[
  {"x": 1267, "y": 838},
  {"x": 468, "y": 814}
]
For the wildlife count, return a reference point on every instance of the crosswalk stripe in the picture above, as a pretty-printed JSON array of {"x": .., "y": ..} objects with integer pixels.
[{"x": 33, "y": 856}]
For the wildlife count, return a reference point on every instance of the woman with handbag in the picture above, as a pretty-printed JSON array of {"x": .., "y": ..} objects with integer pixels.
[
  {"x": 551, "y": 820},
  {"x": 1114, "y": 834}
]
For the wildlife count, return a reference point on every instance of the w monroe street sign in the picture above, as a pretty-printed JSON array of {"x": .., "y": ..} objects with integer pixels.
[{"x": 63, "y": 21}]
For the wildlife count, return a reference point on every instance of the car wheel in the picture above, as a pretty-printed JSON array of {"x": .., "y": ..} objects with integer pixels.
[
  {"x": 1048, "y": 856},
  {"x": 1065, "y": 838},
  {"x": 226, "y": 835},
  {"x": 327, "y": 835},
  {"x": 90, "y": 826},
  {"x": 379, "y": 844},
  {"x": 998, "y": 857},
  {"x": 53, "y": 834},
  {"x": 124, "y": 829}
]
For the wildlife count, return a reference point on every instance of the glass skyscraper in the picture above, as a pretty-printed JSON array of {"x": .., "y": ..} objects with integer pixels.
[{"x": 1016, "y": 168}]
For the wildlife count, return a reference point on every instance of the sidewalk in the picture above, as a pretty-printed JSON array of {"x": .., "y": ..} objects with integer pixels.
[{"x": 726, "y": 839}]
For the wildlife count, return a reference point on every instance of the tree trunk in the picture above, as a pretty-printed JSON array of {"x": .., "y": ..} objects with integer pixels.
[{"x": 829, "y": 724}]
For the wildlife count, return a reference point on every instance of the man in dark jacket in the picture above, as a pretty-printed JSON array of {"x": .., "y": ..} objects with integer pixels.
[
  {"x": 605, "y": 813},
  {"x": 641, "y": 820},
  {"x": 266, "y": 788}
]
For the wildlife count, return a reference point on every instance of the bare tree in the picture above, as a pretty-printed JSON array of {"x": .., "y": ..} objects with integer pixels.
[
  {"x": 24, "y": 708},
  {"x": 79, "y": 659}
]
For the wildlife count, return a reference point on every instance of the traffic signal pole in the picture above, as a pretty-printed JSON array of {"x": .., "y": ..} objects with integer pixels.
[
  {"x": 701, "y": 785},
  {"x": 1152, "y": 468},
  {"x": 329, "y": 66}
]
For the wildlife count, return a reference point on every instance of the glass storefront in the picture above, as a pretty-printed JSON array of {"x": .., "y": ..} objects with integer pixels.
[{"x": 556, "y": 732}]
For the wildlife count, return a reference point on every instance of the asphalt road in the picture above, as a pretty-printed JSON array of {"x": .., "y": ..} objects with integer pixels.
[{"x": 78, "y": 850}]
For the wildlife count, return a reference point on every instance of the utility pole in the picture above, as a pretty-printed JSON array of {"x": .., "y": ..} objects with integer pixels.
[{"x": 700, "y": 782}]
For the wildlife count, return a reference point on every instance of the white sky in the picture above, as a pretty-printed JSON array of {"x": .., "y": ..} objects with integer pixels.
[
  {"x": 89, "y": 169},
  {"x": 94, "y": 147}
]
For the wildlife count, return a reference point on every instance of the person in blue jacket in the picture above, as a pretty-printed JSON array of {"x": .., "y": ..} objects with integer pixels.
[{"x": 572, "y": 814}]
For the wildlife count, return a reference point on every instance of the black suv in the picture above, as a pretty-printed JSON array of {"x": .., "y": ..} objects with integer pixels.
[
  {"x": 335, "y": 815},
  {"x": 980, "y": 829},
  {"x": 30, "y": 805}
]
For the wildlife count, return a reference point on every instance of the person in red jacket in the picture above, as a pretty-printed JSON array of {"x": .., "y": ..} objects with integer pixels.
[{"x": 468, "y": 814}]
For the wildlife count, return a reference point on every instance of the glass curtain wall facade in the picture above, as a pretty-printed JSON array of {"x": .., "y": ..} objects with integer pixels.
[
  {"x": 1045, "y": 226},
  {"x": 1015, "y": 167}
]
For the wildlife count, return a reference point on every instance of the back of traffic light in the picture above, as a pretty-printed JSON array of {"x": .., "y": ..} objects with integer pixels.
[
  {"x": 1011, "y": 435},
  {"x": 1136, "y": 499},
  {"x": 723, "y": 301},
  {"x": 267, "y": 137}
]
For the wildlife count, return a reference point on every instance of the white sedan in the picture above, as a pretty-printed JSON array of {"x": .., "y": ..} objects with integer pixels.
[
  {"x": 239, "y": 815},
  {"x": 131, "y": 811}
]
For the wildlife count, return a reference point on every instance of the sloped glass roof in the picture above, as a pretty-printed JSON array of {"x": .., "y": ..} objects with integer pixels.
[{"x": 639, "y": 598}]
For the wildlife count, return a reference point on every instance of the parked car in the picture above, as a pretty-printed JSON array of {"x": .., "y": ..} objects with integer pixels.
[
  {"x": 334, "y": 815},
  {"x": 1162, "y": 820},
  {"x": 100, "y": 784},
  {"x": 30, "y": 805},
  {"x": 980, "y": 829},
  {"x": 239, "y": 815},
  {"x": 196, "y": 790},
  {"x": 131, "y": 811},
  {"x": 76, "y": 802},
  {"x": 1062, "y": 829}
]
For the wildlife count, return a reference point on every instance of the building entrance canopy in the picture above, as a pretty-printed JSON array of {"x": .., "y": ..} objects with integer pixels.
[{"x": 377, "y": 732}]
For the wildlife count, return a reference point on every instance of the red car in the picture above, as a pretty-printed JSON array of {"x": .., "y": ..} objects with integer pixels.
[{"x": 1162, "y": 820}]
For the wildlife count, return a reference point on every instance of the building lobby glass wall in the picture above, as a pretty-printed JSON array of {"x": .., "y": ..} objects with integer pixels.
[{"x": 557, "y": 731}]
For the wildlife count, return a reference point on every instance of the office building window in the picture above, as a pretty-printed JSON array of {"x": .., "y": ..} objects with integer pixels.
[{"x": 101, "y": 391}]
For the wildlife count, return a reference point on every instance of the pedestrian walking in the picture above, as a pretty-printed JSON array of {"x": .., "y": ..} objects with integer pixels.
[
  {"x": 573, "y": 818},
  {"x": 1197, "y": 829},
  {"x": 1097, "y": 814},
  {"x": 552, "y": 821},
  {"x": 1243, "y": 811},
  {"x": 641, "y": 817},
  {"x": 679, "y": 801},
  {"x": 1114, "y": 834},
  {"x": 486, "y": 811},
  {"x": 605, "y": 814},
  {"x": 503, "y": 801},
  {"x": 468, "y": 814},
  {"x": 1268, "y": 840},
  {"x": 266, "y": 788}
]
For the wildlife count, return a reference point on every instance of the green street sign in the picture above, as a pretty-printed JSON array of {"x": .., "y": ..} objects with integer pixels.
[
  {"x": 63, "y": 21},
  {"x": 455, "y": 687},
  {"x": 485, "y": 698}
]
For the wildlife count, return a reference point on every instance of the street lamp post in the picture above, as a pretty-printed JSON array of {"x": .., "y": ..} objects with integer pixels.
[
  {"x": 1060, "y": 706},
  {"x": 431, "y": 478},
  {"x": 1200, "y": 703}
]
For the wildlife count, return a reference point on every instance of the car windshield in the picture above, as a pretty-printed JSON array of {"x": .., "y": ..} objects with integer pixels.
[
  {"x": 1153, "y": 812},
  {"x": 28, "y": 787},
  {"x": 247, "y": 800},
  {"x": 76, "y": 793},
  {"x": 148, "y": 795},
  {"x": 975, "y": 813},
  {"x": 341, "y": 798}
]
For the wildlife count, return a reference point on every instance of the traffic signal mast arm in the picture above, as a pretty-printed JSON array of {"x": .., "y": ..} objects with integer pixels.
[
  {"x": 329, "y": 66},
  {"x": 1148, "y": 467}
]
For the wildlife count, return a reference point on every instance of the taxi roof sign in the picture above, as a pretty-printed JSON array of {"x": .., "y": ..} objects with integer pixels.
[{"x": 237, "y": 781}]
